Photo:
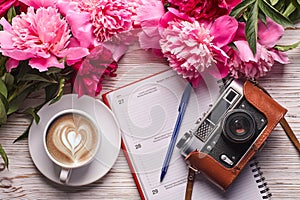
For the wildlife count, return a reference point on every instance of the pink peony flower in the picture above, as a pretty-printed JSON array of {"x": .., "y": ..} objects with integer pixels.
[
  {"x": 192, "y": 48},
  {"x": 242, "y": 62},
  {"x": 92, "y": 71},
  {"x": 94, "y": 22},
  {"x": 153, "y": 20},
  {"x": 42, "y": 37},
  {"x": 103, "y": 19},
  {"x": 204, "y": 9}
]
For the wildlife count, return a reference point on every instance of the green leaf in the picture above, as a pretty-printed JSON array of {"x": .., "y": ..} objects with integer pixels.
[
  {"x": 11, "y": 13},
  {"x": 274, "y": 14},
  {"x": 2, "y": 63},
  {"x": 296, "y": 3},
  {"x": 3, "y": 89},
  {"x": 50, "y": 92},
  {"x": 22, "y": 70},
  {"x": 262, "y": 17},
  {"x": 240, "y": 8},
  {"x": 9, "y": 80},
  {"x": 295, "y": 16},
  {"x": 4, "y": 156},
  {"x": 38, "y": 77},
  {"x": 232, "y": 45},
  {"x": 67, "y": 72},
  {"x": 53, "y": 70},
  {"x": 19, "y": 98},
  {"x": 59, "y": 91},
  {"x": 274, "y": 2},
  {"x": 25, "y": 134},
  {"x": 32, "y": 111},
  {"x": 280, "y": 6},
  {"x": 289, "y": 10},
  {"x": 287, "y": 47},
  {"x": 251, "y": 27},
  {"x": 3, "y": 114},
  {"x": 4, "y": 101}
]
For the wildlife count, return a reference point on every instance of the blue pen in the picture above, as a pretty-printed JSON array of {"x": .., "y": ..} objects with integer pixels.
[{"x": 182, "y": 106}]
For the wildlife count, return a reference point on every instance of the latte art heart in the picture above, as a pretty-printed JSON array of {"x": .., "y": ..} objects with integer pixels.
[{"x": 72, "y": 139}]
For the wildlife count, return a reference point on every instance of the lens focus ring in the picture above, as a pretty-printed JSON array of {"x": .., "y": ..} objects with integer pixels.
[{"x": 238, "y": 126}]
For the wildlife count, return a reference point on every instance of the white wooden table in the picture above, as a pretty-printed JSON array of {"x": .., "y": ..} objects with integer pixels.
[{"x": 279, "y": 160}]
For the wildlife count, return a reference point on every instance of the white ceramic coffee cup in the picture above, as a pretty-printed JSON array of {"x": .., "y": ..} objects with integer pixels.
[{"x": 69, "y": 140}]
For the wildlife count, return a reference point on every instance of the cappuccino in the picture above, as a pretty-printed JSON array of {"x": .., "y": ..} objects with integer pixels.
[{"x": 72, "y": 139}]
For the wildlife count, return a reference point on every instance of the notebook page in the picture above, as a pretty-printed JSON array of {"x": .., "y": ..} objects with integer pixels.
[
  {"x": 147, "y": 112},
  {"x": 244, "y": 187}
]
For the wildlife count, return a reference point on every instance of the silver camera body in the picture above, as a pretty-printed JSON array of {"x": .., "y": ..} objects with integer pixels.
[{"x": 228, "y": 129}]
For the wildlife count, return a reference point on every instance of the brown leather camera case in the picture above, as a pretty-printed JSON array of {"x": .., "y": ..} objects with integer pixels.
[{"x": 216, "y": 172}]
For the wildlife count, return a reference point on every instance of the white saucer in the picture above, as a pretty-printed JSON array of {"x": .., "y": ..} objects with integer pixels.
[{"x": 109, "y": 146}]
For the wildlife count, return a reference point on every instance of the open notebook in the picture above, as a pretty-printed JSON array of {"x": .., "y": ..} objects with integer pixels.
[{"x": 146, "y": 111}]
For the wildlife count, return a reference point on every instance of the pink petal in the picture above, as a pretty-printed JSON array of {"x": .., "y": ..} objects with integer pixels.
[
  {"x": 75, "y": 53},
  {"x": 220, "y": 69},
  {"x": 223, "y": 70},
  {"x": 43, "y": 64},
  {"x": 148, "y": 15},
  {"x": 232, "y": 3},
  {"x": 182, "y": 16},
  {"x": 268, "y": 35},
  {"x": 81, "y": 28},
  {"x": 74, "y": 42},
  {"x": 279, "y": 56},
  {"x": 6, "y": 26},
  {"x": 172, "y": 15},
  {"x": 240, "y": 33},
  {"x": 224, "y": 30},
  {"x": 11, "y": 64},
  {"x": 17, "y": 54},
  {"x": 147, "y": 42},
  {"x": 195, "y": 81},
  {"x": 245, "y": 52},
  {"x": 6, "y": 40},
  {"x": 118, "y": 50},
  {"x": 151, "y": 31},
  {"x": 39, "y": 3},
  {"x": 66, "y": 5}
]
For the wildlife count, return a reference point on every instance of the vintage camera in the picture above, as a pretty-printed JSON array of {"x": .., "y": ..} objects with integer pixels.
[{"x": 231, "y": 132}]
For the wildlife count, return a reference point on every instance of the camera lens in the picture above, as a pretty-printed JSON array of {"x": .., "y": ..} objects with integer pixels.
[{"x": 238, "y": 126}]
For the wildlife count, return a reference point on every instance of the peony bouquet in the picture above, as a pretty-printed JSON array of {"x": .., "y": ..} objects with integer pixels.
[
  {"x": 46, "y": 44},
  {"x": 228, "y": 37}
]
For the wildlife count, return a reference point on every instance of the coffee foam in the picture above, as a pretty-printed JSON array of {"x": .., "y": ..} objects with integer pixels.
[{"x": 72, "y": 139}]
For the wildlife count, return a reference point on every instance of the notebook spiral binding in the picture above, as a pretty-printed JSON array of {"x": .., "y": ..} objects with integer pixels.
[{"x": 260, "y": 180}]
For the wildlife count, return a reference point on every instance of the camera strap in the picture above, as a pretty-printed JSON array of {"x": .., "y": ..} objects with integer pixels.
[
  {"x": 190, "y": 183},
  {"x": 289, "y": 132},
  {"x": 284, "y": 124}
]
